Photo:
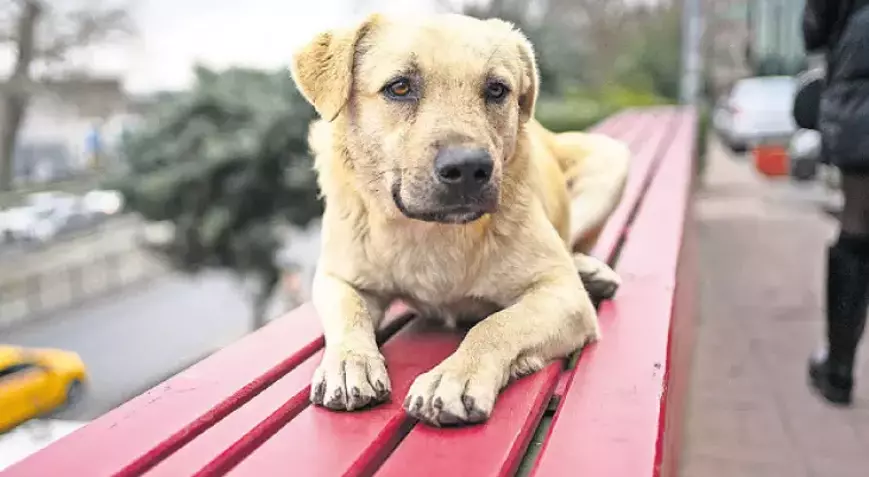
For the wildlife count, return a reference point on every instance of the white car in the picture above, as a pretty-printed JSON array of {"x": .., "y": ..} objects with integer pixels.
[
  {"x": 34, "y": 224},
  {"x": 45, "y": 215},
  {"x": 103, "y": 202},
  {"x": 757, "y": 109}
]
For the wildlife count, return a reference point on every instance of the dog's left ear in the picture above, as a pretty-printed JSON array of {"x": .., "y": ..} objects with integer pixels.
[
  {"x": 323, "y": 68},
  {"x": 530, "y": 79}
]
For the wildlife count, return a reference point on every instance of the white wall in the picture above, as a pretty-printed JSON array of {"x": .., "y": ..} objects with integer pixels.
[{"x": 51, "y": 121}]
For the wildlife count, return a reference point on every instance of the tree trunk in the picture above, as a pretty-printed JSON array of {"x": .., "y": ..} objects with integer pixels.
[
  {"x": 268, "y": 282},
  {"x": 15, "y": 97}
]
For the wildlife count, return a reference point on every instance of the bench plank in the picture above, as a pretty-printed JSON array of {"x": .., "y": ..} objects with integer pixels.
[
  {"x": 642, "y": 169},
  {"x": 148, "y": 428},
  {"x": 319, "y": 442},
  {"x": 230, "y": 440},
  {"x": 610, "y": 420},
  {"x": 497, "y": 447}
]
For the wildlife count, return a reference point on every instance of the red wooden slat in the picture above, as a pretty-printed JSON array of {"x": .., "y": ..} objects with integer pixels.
[
  {"x": 642, "y": 168},
  {"x": 496, "y": 448},
  {"x": 155, "y": 424},
  {"x": 611, "y": 124},
  {"x": 609, "y": 422},
  {"x": 492, "y": 449},
  {"x": 152, "y": 426},
  {"x": 320, "y": 442},
  {"x": 682, "y": 333},
  {"x": 224, "y": 444},
  {"x": 228, "y": 441}
]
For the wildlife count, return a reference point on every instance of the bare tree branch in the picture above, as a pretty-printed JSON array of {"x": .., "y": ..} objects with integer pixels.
[
  {"x": 82, "y": 28},
  {"x": 43, "y": 33}
]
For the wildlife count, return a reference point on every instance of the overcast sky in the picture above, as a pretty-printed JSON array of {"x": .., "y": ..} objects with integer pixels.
[{"x": 174, "y": 34}]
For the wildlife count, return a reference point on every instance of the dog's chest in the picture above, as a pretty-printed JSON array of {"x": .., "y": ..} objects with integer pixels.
[{"x": 437, "y": 270}]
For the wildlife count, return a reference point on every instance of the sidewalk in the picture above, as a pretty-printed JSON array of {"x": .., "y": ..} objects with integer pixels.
[{"x": 762, "y": 248}]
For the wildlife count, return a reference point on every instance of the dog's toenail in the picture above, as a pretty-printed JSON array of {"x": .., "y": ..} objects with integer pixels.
[
  {"x": 320, "y": 392},
  {"x": 469, "y": 403}
]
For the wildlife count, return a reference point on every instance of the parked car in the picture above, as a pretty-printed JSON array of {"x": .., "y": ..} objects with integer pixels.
[
  {"x": 36, "y": 382},
  {"x": 44, "y": 215},
  {"x": 756, "y": 109},
  {"x": 103, "y": 202}
]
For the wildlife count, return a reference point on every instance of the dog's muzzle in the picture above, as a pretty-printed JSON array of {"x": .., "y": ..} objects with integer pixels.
[
  {"x": 464, "y": 177},
  {"x": 463, "y": 173},
  {"x": 464, "y": 190}
]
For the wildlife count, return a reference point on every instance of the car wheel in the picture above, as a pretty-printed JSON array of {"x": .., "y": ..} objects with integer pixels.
[
  {"x": 804, "y": 169},
  {"x": 738, "y": 148},
  {"x": 74, "y": 393}
]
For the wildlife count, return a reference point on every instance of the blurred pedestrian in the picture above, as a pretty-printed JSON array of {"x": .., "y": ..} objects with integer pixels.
[{"x": 840, "y": 29}]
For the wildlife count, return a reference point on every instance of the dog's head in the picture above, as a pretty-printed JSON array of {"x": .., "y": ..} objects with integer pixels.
[{"x": 430, "y": 109}]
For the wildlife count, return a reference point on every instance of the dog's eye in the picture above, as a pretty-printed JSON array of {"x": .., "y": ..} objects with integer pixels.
[
  {"x": 398, "y": 89},
  {"x": 496, "y": 91}
]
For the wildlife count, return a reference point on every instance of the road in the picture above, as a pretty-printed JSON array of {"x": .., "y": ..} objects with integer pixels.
[
  {"x": 133, "y": 340},
  {"x": 138, "y": 337}
]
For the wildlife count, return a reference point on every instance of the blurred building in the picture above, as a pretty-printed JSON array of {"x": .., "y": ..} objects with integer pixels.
[
  {"x": 753, "y": 37},
  {"x": 68, "y": 125},
  {"x": 776, "y": 36},
  {"x": 727, "y": 43}
]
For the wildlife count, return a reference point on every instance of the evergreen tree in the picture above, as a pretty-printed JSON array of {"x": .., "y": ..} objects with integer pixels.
[{"x": 228, "y": 164}]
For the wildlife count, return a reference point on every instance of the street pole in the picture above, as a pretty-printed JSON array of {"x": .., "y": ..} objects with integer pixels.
[{"x": 692, "y": 60}]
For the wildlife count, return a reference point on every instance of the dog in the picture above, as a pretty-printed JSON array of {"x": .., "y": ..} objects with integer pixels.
[{"x": 443, "y": 191}]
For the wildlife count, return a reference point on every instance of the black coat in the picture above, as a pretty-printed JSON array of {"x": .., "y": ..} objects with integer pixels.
[{"x": 841, "y": 29}]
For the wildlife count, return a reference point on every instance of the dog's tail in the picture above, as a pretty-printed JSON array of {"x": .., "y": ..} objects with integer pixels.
[{"x": 596, "y": 168}]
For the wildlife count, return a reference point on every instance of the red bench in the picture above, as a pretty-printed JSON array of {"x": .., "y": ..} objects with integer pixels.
[{"x": 244, "y": 411}]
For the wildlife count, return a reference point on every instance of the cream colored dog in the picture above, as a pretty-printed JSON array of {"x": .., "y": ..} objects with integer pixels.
[{"x": 442, "y": 190}]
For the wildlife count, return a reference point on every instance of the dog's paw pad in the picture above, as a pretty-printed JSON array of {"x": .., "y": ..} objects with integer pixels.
[{"x": 343, "y": 382}]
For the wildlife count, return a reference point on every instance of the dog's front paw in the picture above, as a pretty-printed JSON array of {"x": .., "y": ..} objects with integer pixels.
[
  {"x": 454, "y": 393},
  {"x": 348, "y": 380},
  {"x": 599, "y": 279}
]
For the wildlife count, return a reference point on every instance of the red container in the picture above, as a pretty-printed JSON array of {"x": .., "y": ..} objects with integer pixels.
[{"x": 771, "y": 160}]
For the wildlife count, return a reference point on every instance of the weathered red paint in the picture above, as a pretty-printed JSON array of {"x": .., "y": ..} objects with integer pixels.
[{"x": 610, "y": 420}]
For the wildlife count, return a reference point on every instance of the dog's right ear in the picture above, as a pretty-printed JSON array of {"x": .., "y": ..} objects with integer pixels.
[{"x": 323, "y": 68}]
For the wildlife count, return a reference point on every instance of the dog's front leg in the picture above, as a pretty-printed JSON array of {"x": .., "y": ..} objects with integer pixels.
[
  {"x": 352, "y": 374},
  {"x": 551, "y": 320}
]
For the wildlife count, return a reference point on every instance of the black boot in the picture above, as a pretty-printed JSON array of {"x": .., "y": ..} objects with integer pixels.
[{"x": 831, "y": 372}]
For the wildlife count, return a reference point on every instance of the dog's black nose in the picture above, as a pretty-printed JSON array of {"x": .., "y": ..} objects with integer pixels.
[{"x": 464, "y": 169}]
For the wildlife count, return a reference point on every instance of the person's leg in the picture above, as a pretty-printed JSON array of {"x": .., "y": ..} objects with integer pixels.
[{"x": 847, "y": 293}]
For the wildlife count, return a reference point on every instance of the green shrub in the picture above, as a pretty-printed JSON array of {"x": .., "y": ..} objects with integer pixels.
[
  {"x": 561, "y": 116},
  {"x": 580, "y": 109}
]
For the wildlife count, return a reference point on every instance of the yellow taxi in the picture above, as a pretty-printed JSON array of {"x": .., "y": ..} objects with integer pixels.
[{"x": 35, "y": 382}]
